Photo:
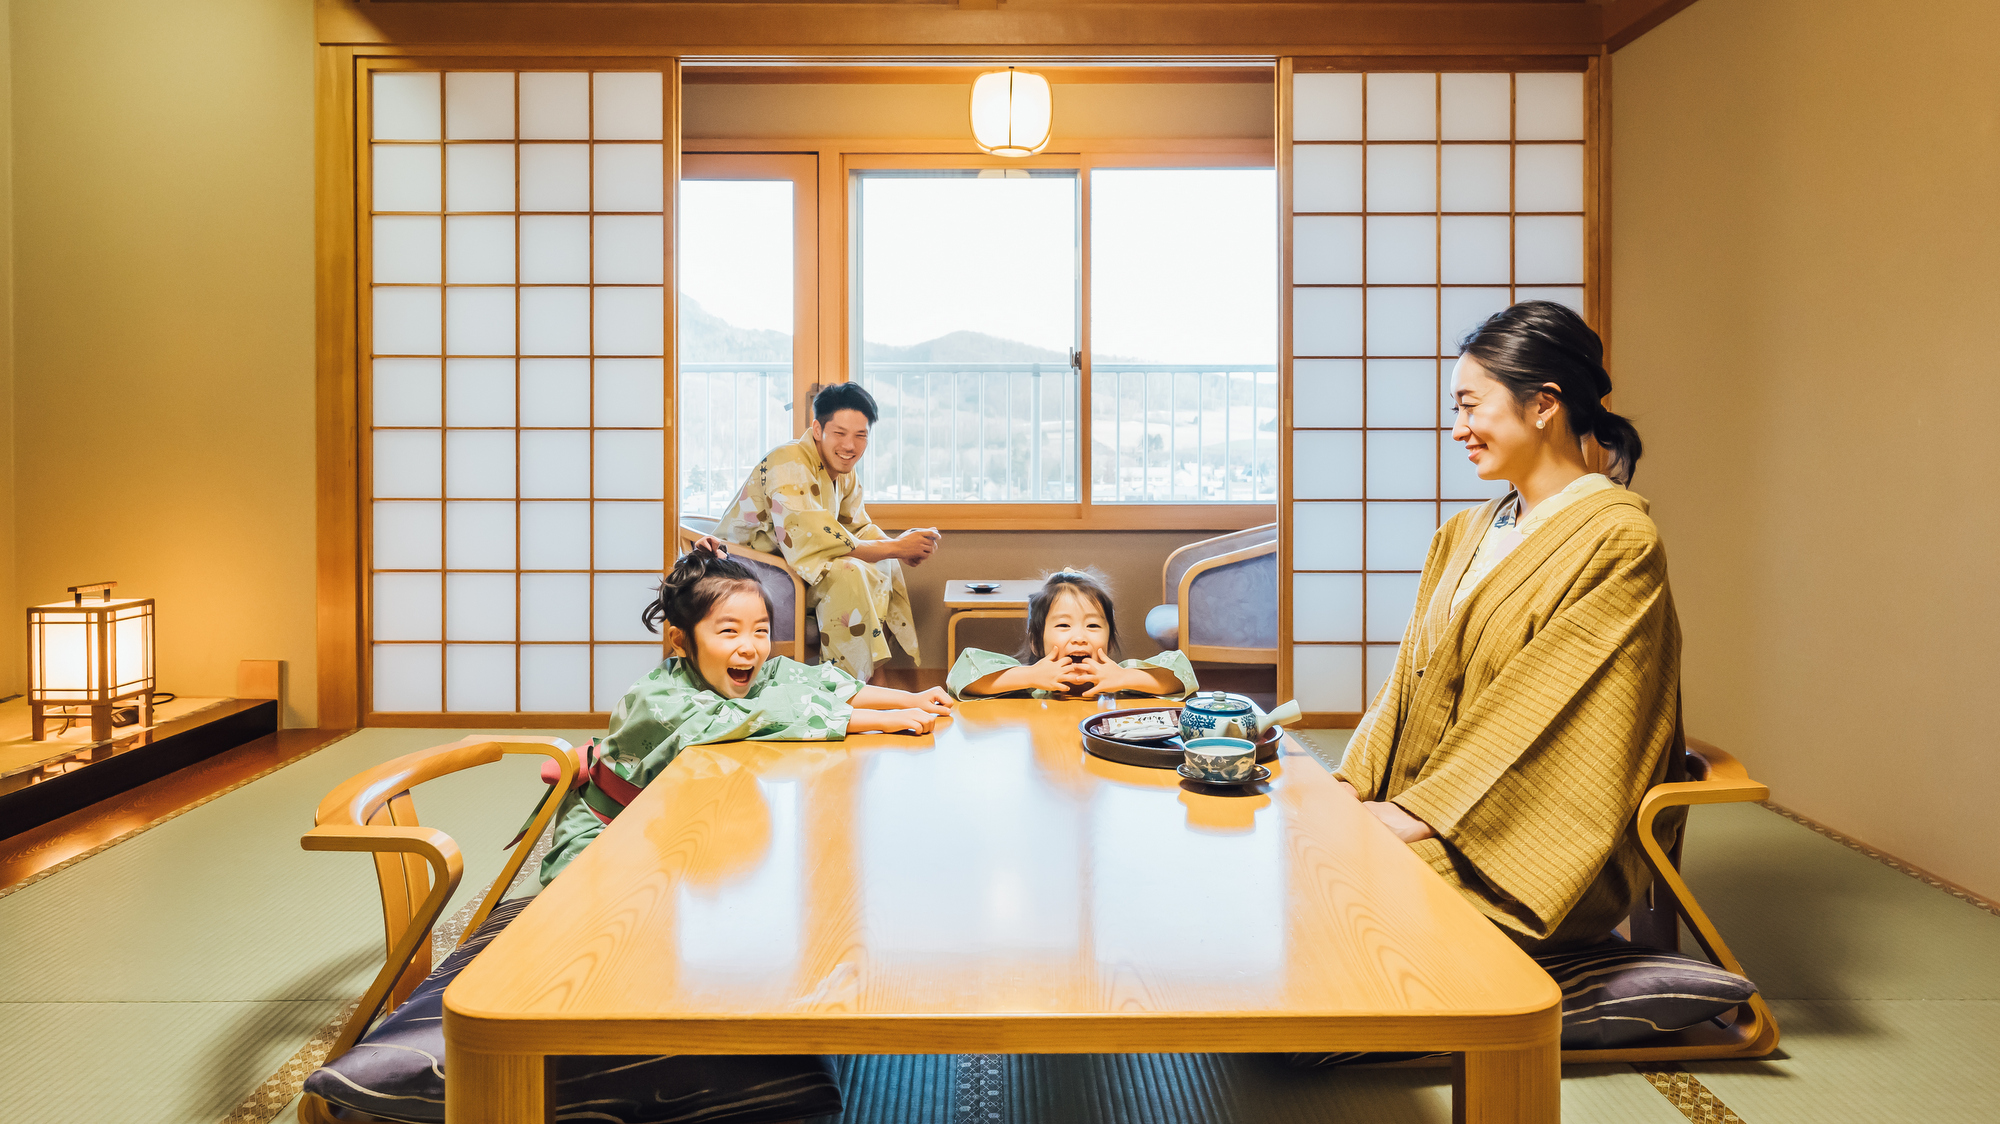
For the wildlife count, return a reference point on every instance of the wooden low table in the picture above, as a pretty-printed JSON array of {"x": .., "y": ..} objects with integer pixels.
[
  {"x": 993, "y": 889},
  {"x": 1010, "y": 600}
]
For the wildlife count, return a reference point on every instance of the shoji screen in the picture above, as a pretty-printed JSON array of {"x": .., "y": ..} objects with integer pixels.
[
  {"x": 1420, "y": 204},
  {"x": 514, "y": 390}
]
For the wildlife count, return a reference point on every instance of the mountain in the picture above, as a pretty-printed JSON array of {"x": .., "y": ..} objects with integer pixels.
[
  {"x": 708, "y": 338},
  {"x": 964, "y": 347}
]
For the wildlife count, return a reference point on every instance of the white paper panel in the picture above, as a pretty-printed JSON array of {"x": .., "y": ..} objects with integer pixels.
[
  {"x": 479, "y": 607},
  {"x": 618, "y": 667},
  {"x": 479, "y": 464},
  {"x": 1326, "y": 536},
  {"x": 1548, "y": 106},
  {"x": 1327, "y": 679},
  {"x": 1381, "y": 664},
  {"x": 1326, "y": 464},
  {"x": 1548, "y": 250},
  {"x": 479, "y": 535},
  {"x": 1326, "y": 606},
  {"x": 630, "y": 464},
  {"x": 628, "y": 105},
  {"x": 1450, "y": 508},
  {"x": 555, "y": 464},
  {"x": 555, "y": 106},
  {"x": 406, "y": 105},
  {"x": 407, "y": 536},
  {"x": 1399, "y": 535},
  {"x": 479, "y": 249},
  {"x": 555, "y": 536},
  {"x": 1402, "y": 177},
  {"x": 1459, "y": 479},
  {"x": 556, "y": 607},
  {"x": 407, "y": 177},
  {"x": 408, "y": 607},
  {"x": 406, "y": 392},
  {"x": 631, "y": 250},
  {"x": 407, "y": 464},
  {"x": 630, "y": 536},
  {"x": 555, "y": 177},
  {"x": 1569, "y": 295},
  {"x": 406, "y": 249},
  {"x": 1326, "y": 107},
  {"x": 479, "y": 105},
  {"x": 620, "y": 599},
  {"x": 1326, "y": 250},
  {"x": 631, "y": 321},
  {"x": 1548, "y": 177},
  {"x": 479, "y": 177},
  {"x": 408, "y": 677},
  {"x": 1474, "y": 177},
  {"x": 1475, "y": 106},
  {"x": 1326, "y": 177},
  {"x": 1326, "y": 321},
  {"x": 1402, "y": 249},
  {"x": 555, "y": 678},
  {"x": 406, "y": 322},
  {"x": 479, "y": 677},
  {"x": 1326, "y": 392},
  {"x": 555, "y": 392},
  {"x": 555, "y": 249},
  {"x": 1474, "y": 250},
  {"x": 1402, "y": 321},
  {"x": 479, "y": 321},
  {"x": 555, "y": 320},
  {"x": 631, "y": 392},
  {"x": 1391, "y": 597},
  {"x": 1403, "y": 392},
  {"x": 1402, "y": 107},
  {"x": 1402, "y": 464},
  {"x": 1464, "y": 310},
  {"x": 629, "y": 177},
  {"x": 479, "y": 392}
]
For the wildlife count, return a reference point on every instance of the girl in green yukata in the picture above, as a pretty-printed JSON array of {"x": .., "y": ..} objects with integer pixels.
[
  {"x": 724, "y": 686},
  {"x": 1071, "y": 630}
]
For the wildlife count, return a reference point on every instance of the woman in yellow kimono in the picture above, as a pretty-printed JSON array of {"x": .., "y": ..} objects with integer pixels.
[{"x": 1536, "y": 695}]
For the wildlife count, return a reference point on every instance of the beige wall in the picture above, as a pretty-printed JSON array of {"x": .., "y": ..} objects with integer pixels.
[
  {"x": 13, "y": 627},
  {"x": 1806, "y": 226},
  {"x": 163, "y": 268}
]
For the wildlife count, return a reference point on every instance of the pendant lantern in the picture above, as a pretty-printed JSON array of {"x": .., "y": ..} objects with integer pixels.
[{"x": 1011, "y": 112}]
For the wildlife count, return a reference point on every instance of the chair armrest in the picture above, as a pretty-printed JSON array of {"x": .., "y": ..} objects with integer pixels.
[{"x": 1181, "y": 596}]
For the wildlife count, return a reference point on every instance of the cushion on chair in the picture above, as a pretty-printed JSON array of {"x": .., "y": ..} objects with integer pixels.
[
  {"x": 396, "y": 1071},
  {"x": 1163, "y": 624},
  {"x": 1235, "y": 606},
  {"x": 1619, "y": 994}
]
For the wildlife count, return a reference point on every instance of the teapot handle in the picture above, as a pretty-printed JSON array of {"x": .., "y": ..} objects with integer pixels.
[{"x": 1287, "y": 713}]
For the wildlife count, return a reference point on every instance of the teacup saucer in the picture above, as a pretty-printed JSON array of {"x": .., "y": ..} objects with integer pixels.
[{"x": 1257, "y": 773}]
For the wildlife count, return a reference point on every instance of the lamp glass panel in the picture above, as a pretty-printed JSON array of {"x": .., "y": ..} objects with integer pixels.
[
  {"x": 405, "y": 105},
  {"x": 555, "y": 392},
  {"x": 479, "y": 105},
  {"x": 479, "y": 177},
  {"x": 555, "y": 177},
  {"x": 555, "y": 320},
  {"x": 1327, "y": 678},
  {"x": 408, "y": 677},
  {"x": 66, "y": 659},
  {"x": 131, "y": 655},
  {"x": 479, "y": 677},
  {"x": 479, "y": 392},
  {"x": 616, "y": 667},
  {"x": 555, "y": 105},
  {"x": 631, "y": 321},
  {"x": 408, "y": 177},
  {"x": 628, "y": 177},
  {"x": 627, "y": 105},
  {"x": 617, "y": 599},
  {"x": 555, "y": 536},
  {"x": 555, "y": 678}
]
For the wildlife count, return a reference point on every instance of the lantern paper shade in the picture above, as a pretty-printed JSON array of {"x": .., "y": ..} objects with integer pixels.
[
  {"x": 1011, "y": 112},
  {"x": 90, "y": 654}
]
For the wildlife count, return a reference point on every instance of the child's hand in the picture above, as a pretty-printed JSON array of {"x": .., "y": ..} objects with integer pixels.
[
  {"x": 1045, "y": 674},
  {"x": 1106, "y": 677},
  {"x": 891, "y": 722},
  {"x": 936, "y": 700}
]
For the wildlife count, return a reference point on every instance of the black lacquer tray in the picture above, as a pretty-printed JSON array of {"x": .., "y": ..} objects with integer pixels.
[{"x": 1163, "y": 753}]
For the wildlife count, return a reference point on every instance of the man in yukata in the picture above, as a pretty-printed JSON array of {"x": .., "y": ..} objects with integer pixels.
[{"x": 803, "y": 501}]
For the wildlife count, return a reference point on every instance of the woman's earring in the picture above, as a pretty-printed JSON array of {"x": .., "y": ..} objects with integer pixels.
[{"x": 1540, "y": 422}]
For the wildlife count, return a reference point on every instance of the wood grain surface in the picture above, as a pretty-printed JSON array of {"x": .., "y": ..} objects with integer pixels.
[{"x": 992, "y": 889}]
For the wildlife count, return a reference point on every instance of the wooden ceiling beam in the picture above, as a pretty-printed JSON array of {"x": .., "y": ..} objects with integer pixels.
[{"x": 1626, "y": 20}]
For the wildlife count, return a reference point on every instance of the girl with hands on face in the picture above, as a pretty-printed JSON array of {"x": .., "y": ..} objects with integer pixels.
[{"x": 1071, "y": 631}]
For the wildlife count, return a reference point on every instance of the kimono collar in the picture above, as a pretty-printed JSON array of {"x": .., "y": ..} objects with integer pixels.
[{"x": 810, "y": 450}]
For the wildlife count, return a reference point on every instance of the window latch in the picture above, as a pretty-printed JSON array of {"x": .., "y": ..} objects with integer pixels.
[{"x": 1076, "y": 359}]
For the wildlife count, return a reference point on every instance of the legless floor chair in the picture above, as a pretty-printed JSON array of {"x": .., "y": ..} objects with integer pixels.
[{"x": 794, "y": 632}]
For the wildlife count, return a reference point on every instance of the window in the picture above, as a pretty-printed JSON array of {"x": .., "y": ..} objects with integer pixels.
[{"x": 1421, "y": 204}]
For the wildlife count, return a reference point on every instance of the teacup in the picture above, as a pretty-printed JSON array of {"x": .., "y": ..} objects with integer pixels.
[{"x": 1223, "y": 760}]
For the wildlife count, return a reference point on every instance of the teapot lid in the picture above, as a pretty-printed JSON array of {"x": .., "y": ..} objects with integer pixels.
[{"x": 1221, "y": 701}]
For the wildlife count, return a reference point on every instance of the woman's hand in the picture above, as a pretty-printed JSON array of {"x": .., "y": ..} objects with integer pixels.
[
  {"x": 1348, "y": 787},
  {"x": 908, "y": 721},
  {"x": 1407, "y": 827}
]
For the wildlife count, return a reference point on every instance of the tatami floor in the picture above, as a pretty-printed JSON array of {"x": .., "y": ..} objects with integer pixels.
[{"x": 169, "y": 978}]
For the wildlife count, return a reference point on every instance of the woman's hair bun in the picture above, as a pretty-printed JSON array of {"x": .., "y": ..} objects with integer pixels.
[{"x": 1536, "y": 343}]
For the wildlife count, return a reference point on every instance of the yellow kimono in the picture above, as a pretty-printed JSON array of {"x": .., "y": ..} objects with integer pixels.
[
  {"x": 1525, "y": 725},
  {"x": 792, "y": 506}
]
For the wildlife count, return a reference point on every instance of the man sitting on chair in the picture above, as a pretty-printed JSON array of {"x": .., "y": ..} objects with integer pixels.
[{"x": 803, "y": 501}]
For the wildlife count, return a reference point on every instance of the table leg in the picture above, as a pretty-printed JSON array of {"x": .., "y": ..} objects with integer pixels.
[
  {"x": 1507, "y": 1086},
  {"x": 950, "y": 641},
  {"x": 498, "y": 1089}
]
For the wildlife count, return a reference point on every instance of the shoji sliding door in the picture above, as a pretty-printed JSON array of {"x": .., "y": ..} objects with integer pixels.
[
  {"x": 1420, "y": 203},
  {"x": 514, "y": 334}
]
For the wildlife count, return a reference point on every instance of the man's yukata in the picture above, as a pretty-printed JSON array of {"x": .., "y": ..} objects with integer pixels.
[
  {"x": 672, "y": 708},
  {"x": 791, "y": 506}
]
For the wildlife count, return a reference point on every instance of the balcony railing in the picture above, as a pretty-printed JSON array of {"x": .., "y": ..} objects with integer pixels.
[{"x": 1005, "y": 432}]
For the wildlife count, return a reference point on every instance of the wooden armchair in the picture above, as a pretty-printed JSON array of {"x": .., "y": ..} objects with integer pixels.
[
  {"x": 794, "y": 633},
  {"x": 1220, "y": 599},
  {"x": 418, "y": 867},
  {"x": 1714, "y": 777}
]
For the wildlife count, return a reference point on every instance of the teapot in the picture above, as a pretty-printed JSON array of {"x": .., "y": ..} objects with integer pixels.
[{"x": 1219, "y": 714}]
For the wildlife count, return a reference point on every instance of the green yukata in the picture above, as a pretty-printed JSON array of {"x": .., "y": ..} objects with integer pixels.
[
  {"x": 793, "y": 507},
  {"x": 672, "y": 709},
  {"x": 975, "y": 664}
]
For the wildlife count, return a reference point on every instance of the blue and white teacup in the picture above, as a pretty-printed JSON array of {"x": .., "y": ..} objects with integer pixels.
[{"x": 1222, "y": 760}]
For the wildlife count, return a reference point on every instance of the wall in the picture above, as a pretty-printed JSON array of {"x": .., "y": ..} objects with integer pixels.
[
  {"x": 13, "y": 626},
  {"x": 163, "y": 268},
  {"x": 1134, "y": 111},
  {"x": 1806, "y": 221}
]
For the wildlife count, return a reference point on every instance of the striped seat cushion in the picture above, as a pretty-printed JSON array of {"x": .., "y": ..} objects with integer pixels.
[
  {"x": 396, "y": 1071},
  {"x": 1619, "y": 994}
]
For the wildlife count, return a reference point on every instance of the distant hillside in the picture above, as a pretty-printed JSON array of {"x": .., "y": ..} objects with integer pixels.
[
  {"x": 708, "y": 338},
  {"x": 964, "y": 347}
]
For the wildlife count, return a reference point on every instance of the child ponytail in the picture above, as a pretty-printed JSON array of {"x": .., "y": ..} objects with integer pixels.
[{"x": 697, "y": 581}]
